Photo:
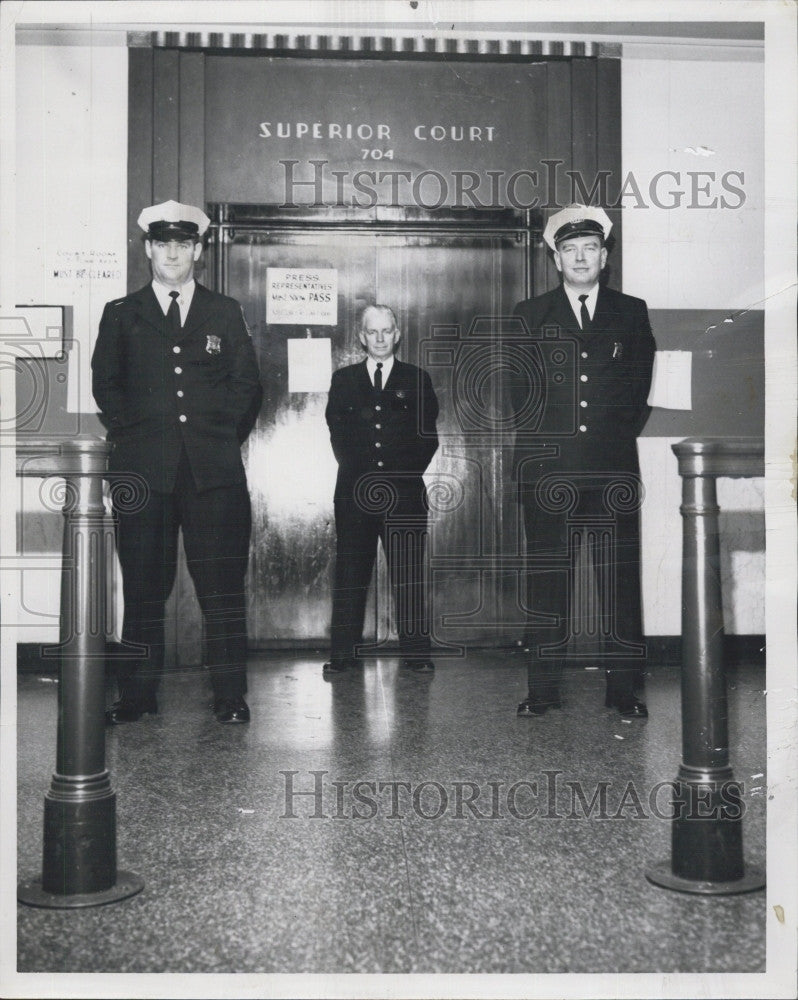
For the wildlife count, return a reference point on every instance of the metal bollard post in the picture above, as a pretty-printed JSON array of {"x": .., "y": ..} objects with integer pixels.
[
  {"x": 707, "y": 833},
  {"x": 79, "y": 852}
]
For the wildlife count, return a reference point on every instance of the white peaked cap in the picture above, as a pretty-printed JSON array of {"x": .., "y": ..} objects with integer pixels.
[
  {"x": 172, "y": 218},
  {"x": 576, "y": 220}
]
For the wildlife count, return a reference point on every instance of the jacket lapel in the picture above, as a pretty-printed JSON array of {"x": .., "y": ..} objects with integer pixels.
[
  {"x": 605, "y": 317},
  {"x": 200, "y": 311},
  {"x": 395, "y": 374},
  {"x": 363, "y": 381},
  {"x": 147, "y": 307},
  {"x": 561, "y": 314}
]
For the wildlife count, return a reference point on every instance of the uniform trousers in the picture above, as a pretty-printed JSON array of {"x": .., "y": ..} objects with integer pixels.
[
  {"x": 598, "y": 624},
  {"x": 403, "y": 540},
  {"x": 216, "y": 527}
]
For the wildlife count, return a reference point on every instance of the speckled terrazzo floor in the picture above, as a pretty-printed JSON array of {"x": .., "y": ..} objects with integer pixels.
[{"x": 422, "y": 881}]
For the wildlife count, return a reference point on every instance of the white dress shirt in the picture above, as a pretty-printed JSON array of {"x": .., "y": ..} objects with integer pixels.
[
  {"x": 183, "y": 299},
  {"x": 371, "y": 368},
  {"x": 573, "y": 297}
]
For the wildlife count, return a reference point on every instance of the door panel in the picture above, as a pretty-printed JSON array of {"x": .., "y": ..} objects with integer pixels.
[
  {"x": 432, "y": 280},
  {"x": 447, "y": 286},
  {"x": 290, "y": 466}
]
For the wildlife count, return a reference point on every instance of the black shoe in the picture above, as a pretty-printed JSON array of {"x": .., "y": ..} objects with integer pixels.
[
  {"x": 628, "y": 706},
  {"x": 533, "y": 706},
  {"x": 231, "y": 709},
  {"x": 337, "y": 666},
  {"x": 129, "y": 709},
  {"x": 419, "y": 666}
]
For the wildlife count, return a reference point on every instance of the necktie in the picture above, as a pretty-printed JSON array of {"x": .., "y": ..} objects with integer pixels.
[
  {"x": 173, "y": 315},
  {"x": 584, "y": 315},
  {"x": 378, "y": 376}
]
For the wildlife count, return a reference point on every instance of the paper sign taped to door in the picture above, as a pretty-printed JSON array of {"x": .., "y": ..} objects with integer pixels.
[
  {"x": 306, "y": 296},
  {"x": 309, "y": 364}
]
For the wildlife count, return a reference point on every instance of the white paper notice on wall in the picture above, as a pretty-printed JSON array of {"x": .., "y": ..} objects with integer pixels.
[
  {"x": 305, "y": 296},
  {"x": 671, "y": 381},
  {"x": 309, "y": 364}
]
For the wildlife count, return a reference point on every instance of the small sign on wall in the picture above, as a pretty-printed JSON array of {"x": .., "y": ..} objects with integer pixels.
[
  {"x": 671, "y": 380},
  {"x": 302, "y": 296}
]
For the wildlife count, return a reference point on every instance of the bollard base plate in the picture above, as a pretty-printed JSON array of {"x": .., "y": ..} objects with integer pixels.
[
  {"x": 661, "y": 874},
  {"x": 31, "y": 893}
]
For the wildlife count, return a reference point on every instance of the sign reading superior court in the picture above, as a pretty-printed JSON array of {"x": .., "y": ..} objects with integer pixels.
[{"x": 336, "y": 132}]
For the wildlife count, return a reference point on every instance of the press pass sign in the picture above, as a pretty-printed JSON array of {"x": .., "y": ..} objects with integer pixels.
[{"x": 305, "y": 297}]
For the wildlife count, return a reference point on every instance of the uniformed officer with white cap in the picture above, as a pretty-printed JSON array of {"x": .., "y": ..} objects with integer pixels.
[
  {"x": 577, "y": 468},
  {"x": 177, "y": 383}
]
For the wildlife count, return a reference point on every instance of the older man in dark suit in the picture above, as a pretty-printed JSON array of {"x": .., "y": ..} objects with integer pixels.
[
  {"x": 177, "y": 383},
  {"x": 377, "y": 413},
  {"x": 577, "y": 467}
]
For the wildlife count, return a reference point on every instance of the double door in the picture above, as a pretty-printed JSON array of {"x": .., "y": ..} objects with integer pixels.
[{"x": 448, "y": 282}]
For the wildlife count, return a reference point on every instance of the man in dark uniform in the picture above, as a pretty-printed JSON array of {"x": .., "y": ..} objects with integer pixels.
[
  {"x": 376, "y": 412},
  {"x": 578, "y": 470},
  {"x": 177, "y": 383}
]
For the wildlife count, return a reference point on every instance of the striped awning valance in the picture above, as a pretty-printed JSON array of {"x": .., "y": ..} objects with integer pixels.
[{"x": 369, "y": 44}]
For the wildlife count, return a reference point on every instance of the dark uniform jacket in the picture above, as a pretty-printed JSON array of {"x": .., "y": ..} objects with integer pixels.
[
  {"x": 594, "y": 385},
  {"x": 158, "y": 394},
  {"x": 382, "y": 431}
]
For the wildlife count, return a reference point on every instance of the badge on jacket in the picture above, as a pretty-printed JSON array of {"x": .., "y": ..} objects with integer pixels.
[{"x": 213, "y": 344}]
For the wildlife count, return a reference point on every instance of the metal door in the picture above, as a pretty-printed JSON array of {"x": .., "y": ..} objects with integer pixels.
[{"x": 437, "y": 276}]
